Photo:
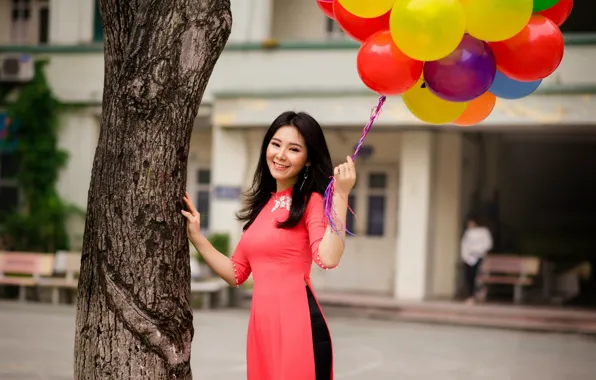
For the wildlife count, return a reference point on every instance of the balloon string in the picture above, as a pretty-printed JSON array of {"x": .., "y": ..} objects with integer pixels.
[{"x": 329, "y": 210}]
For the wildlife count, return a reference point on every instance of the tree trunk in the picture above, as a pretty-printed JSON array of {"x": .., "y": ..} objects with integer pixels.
[{"x": 134, "y": 320}]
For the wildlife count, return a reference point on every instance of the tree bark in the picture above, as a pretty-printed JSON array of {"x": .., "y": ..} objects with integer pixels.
[{"x": 134, "y": 319}]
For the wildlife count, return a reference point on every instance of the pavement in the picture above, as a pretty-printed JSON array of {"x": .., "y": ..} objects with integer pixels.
[{"x": 36, "y": 343}]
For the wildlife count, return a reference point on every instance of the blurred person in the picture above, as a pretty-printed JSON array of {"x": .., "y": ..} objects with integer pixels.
[
  {"x": 475, "y": 244},
  {"x": 284, "y": 231}
]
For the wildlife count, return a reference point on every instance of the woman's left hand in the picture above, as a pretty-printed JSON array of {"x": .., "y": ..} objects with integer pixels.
[{"x": 345, "y": 177}]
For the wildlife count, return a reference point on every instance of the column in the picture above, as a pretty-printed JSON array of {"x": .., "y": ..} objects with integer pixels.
[
  {"x": 228, "y": 168},
  {"x": 86, "y": 20},
  {"x": 252, "y": 20},
  {"x": 68, "y": 19},
  {"x": 446, "y": 215},
  {"x": 413, "y": 258}
]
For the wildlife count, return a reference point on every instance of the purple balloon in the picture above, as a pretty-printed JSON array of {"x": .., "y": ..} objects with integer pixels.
[{"x": 463, "y": 75}]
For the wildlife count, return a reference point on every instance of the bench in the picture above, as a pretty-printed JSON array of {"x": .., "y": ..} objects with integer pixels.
[
  {"x": 209, "y": 288},
  {"x": 24, "y": 269},
  {"x": 66, "y": 269},
  {"x": 61, "y": 271},
  {"x": 517, "y": 271}
]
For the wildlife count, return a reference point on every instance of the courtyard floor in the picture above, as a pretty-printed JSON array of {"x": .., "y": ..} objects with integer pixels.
[{"x": 36, "y": 344}]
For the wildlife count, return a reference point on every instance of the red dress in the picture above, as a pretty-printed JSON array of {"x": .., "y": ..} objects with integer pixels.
[{"x": 279, "y": 340}]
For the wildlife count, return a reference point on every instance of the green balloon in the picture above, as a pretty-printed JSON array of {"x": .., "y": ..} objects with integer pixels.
[{"x": 540, "y": 5}]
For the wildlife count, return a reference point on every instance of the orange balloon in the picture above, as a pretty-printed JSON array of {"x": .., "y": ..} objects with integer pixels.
[{"x": 477, "y": 110}]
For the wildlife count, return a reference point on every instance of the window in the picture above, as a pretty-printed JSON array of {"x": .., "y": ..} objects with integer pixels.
[
  {"x": 97, "y": 26},
  {"x": 350, "y": 219},
  {"x": 370, "y": 199},
  {"x": 333, "y": 30},
  {"x": 30, "y": 22},
  {"x": 203, "y": 180},
  {"x": 44, "y": 24},
  {"x": 20, "y": 21},
  {"x": 376, "y": 204},
  {"x": 581, "y": 19}
]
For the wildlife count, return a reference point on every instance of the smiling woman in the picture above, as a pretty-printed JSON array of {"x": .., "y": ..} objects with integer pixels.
[
  {"x": 287, "y": 156},
  {"x": 285, "y": 230}
]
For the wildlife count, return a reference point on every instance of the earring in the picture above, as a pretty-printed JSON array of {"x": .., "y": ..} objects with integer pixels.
[{"x": 305, "y": 177}]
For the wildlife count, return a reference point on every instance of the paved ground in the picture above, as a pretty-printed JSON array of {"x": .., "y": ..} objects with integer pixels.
[{"x": 36, "y": 343}]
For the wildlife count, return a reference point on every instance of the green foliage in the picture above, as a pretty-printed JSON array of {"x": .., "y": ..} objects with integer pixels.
[
  {"x": 39, "y": 221},
  {"x": 219, "y": 241}
]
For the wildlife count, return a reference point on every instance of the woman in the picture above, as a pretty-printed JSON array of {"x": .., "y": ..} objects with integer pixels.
[
  {"x": 284, "y": 230},
  {"x": 475, "y": 244}
]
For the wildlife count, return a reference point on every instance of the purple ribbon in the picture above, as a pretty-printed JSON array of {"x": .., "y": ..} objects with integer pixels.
[{"x": 329, "y": 210}]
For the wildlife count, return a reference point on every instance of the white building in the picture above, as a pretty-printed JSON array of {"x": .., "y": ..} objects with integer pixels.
[{"x": 414, "y": 187}]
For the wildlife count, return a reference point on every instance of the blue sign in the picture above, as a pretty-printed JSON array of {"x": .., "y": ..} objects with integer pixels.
[{"x": 227, "y": 192}]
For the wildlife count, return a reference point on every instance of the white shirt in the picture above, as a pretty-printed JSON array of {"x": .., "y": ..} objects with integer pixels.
[{"x": 475, "y": 243}]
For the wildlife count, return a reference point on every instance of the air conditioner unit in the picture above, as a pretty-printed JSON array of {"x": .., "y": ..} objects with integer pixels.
[{"x": 15, "y": 67}]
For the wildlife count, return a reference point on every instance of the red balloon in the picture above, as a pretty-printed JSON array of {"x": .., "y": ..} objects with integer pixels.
[
  {"x": 532, "y": 54},
  {"x": 327, "y": 8},
  {"x": 558, "y": 13},
  {"x": 357, "y": 27},
  {"x": 384, "y": 68}
]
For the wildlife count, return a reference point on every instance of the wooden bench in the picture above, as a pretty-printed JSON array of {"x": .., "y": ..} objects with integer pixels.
[
  {"x": 209, "y": 288},
  {"x": 517, "y": 271},
  {"x": 66, "y": 271},
  {"x": 24, "y": 269}
]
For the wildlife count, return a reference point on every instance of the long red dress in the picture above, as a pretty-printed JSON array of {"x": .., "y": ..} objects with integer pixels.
[{"x": 279, "y": 340}]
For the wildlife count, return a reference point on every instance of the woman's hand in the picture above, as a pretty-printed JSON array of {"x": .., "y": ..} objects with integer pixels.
[
  {"x": 345, "y": 177},
  {"x": 193, "y": 219}
]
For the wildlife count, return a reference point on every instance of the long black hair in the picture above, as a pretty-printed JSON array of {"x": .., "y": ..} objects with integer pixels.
[{"x": 319, "y": 171}]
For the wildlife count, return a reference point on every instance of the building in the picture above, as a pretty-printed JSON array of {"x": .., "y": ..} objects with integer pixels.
[{"x": 416, "y": 182}]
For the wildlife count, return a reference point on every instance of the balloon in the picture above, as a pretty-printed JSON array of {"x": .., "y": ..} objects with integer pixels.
[
  {"x": 496, "y": 20},
  {"x": 429, "y": 108},
  {"x": 357, "y": 27},
  {"x": 507, "y": 88},
  {"x": 367, "y": 8},
  {"x": 384, "y": 68},
  {"x": 540, "y": 5},
  {"x": 463, "y": 75},
  {"x": 558, "y": 13},
  {"x": 477, "y": 110},
  {"x": 427, "y": 30},
  {"x": 533, "y": 54},
  {"x": 327, "y": 8}
]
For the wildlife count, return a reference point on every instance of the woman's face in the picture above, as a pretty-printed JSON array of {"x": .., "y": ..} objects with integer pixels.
[{"x": 286, "y": 156}]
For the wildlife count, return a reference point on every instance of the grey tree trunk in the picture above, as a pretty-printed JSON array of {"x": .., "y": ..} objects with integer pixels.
[{"x": 134, "y": 319}]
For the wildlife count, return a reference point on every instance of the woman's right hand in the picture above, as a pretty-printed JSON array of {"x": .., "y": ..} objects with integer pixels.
[{"x": 193, "y": 219}]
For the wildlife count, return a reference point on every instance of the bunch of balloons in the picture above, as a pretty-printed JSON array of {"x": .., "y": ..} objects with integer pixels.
[{"x": 451, "y": 59}]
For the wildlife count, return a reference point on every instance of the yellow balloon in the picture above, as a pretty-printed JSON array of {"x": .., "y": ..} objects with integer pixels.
[
  {"x": 367, "y": 8},
  {"x": 427, "y": 30},
  {"x": 496, "y": 20},
  {"x": 429, "y": 108}
]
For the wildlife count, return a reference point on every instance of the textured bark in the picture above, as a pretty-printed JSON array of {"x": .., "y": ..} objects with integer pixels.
[{"x": 134, "y": 320}]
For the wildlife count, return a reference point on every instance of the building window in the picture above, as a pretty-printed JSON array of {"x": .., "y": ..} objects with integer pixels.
[
  {"x": 581, "y": 19},
  {"x": 97, "y": 25},
  {"x": 350, "y": 219},
  {"x": 369, "y": 200},
  {"x": 203, "y": 179},
  {"x": 20, "y": 21},
  {"x": 376, "y": 204},
  {"x": 333, "y": 31},
  {"x": 44, "y": 24},
  {"x": 30, "y": 22}
]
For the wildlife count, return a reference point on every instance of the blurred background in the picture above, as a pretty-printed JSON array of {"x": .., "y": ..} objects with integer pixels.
[{"x": 528, "y": 173}]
